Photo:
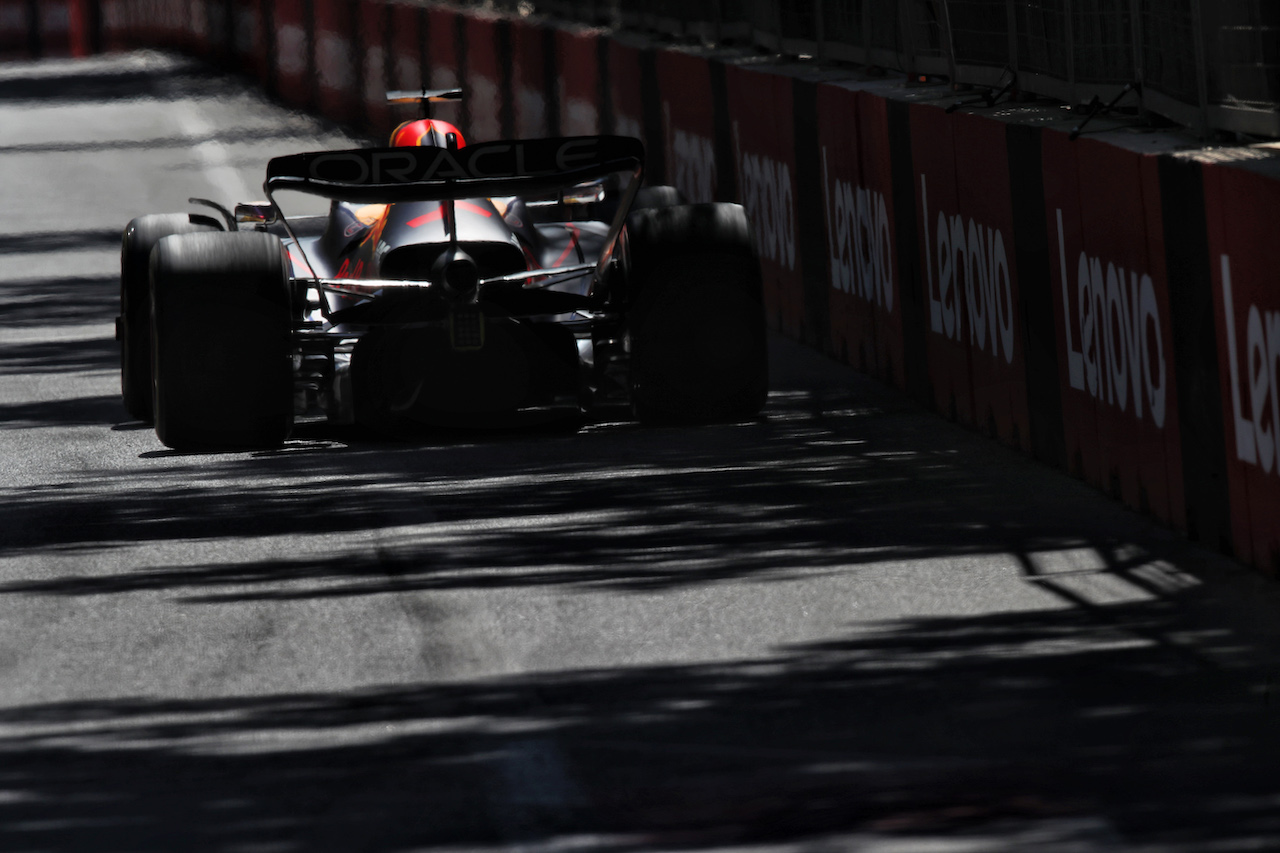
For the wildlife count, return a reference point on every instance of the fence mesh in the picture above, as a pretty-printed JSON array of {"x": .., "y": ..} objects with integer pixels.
[
  {"x": 1203, "y": 54},
  {"x": 1042, "y": 42},
  {"x": 1168, "y": 48},
  {"x": 1242, "y": 46},
  {"x": 979, "y": 31}
]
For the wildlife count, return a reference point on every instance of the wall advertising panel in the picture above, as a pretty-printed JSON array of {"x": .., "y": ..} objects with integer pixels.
[
  {"x": 335, "y": 59},
  {"x": 407, "y": 43},
  {"x": 985, "y": 278},
  {"x": 764, "y": 162},
  {"x": 578, "y": 82},
  {"x": 482, "y": 91},
  {"x": 55, "y": 27},
  {"x": 688, "y": 127},
  {"x": 1113, "y": 323},
  {"x": 626, "y": 96},
  {"x": 1244, "y": 236},
  {"x": 249, "y": 37},
  {"x": 372, "y": 17},
  {"x": 444, "y": 63},
  {"x": 852, "y": 325},
  {"x": 944, "y": 256},
  {"x": 14, "y": 31},
  {"x": 293, "y": 80},
  {"x": 860, "y": 233},
  {"x": 529, "y": 79}
]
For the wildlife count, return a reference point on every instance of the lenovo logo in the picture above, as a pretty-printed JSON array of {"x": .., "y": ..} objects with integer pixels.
[
  {"x": 1120, "y": 355},
  {"x": 765, "y": 187},
  {"x": 1255, "y": 395},
  {"x": 859, "y": 241},
  {"x": 967, "y": 272}
]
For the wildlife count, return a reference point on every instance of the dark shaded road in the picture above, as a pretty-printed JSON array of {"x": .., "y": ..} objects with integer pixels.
[{"x": 847, "y": 625}]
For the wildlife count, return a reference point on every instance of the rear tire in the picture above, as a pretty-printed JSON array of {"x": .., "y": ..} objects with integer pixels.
[
  {"x": 647, "y": 198},
  {"x": 222, "y": 341},
  {"x": 657, "y": 198},
  {"x": 695, "y": 315},
  {"x": 140, "y": 237}
]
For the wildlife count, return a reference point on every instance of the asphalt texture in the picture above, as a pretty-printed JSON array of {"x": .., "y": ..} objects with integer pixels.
[{"x": 846, "y": 625}]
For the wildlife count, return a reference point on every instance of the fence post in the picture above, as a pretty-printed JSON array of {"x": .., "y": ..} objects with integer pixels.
[
  {"x": 1011, "y": 13},
  {"x": 1139, "y": 68},
  {"x": 819, "y": 33},
  {"x": 1071, "y": 51},
  {"x": 951, "y": 44},
  {"x": 866, "y": 33},
  {"x": 1202, "y": 79}
]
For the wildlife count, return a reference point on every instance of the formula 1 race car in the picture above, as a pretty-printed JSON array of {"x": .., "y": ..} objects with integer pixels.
[{"x": 448, "y": 285}]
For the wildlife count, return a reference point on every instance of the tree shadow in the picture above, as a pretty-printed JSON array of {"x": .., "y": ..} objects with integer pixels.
[
  {"x": 59, "y": 301},
  {"x": 160, "y": 79},
  {"x": 1029, "y": 729}
]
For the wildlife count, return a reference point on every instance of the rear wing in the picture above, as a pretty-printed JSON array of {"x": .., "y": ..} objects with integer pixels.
[{"x": 507, "y": 168}]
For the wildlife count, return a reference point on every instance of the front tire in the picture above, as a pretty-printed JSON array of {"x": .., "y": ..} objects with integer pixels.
[{"x": 221, "y": 341}]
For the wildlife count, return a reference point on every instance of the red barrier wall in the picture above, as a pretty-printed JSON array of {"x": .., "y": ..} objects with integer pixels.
[
  {"x": 407, "y": 42},
  {"x": 14, "y": 41},
  {"x": 1119, "y": 395},
  {"x": 1244, "y": 235},
  {"x": 860, "y": 236},
  {"x": 578, "y": 83},
  {"x": 485, "y": 99},
  {"x": 528, "y": 80},
  {"x": 372, "y": 19},
  {"x": 249, "y": 37},
  {"x": 626, "y": 91},
  {"x": 55, "y": 27},
  {"x": 940, "y": 225},
  {"x": 764, "y": 158},
  {"x": 442, "y": 56},
  {"x": 688, "y": 132},
  {"x": 852, "y": 322},
  {"x": 335, "y": 58},
  {"x": 293, "y": 83},
  {"x": 964, "y": 216},
  {"x": 880, "y": 246}
]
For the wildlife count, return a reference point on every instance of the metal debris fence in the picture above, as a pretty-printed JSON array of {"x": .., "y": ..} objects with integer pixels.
[{"x": 1206, "y": 64}]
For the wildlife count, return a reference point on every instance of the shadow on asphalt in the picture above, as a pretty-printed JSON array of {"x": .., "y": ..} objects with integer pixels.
[
  {"x": 918, "y": 729},
  {"x": 58, "y": 302},
  {"x": 1152, "y": 722},
  {"x": 1019, "y": 727},
  {"x": 152, "y": 77}
]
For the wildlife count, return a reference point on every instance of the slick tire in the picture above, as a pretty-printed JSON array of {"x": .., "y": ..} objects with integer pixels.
[
  {"x": 647, "y": 198},
  {"x": 140, "y": 237},
  {"x": 221, "y": 341},
  {"x": 657, "y": 198},
  {"x": 695, "y": 315}
]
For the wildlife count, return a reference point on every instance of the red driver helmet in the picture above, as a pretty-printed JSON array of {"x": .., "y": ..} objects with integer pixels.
[{"x": 425, "y": 131}]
